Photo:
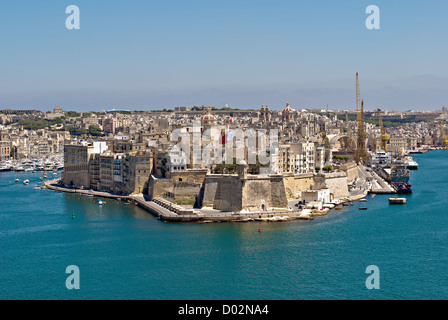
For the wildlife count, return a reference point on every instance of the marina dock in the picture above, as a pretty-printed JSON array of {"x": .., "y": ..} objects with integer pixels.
[{"x": 375, "y": 183}]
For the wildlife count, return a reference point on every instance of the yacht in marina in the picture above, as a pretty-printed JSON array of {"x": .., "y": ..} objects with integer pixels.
[
  {"x": 380, "y": 158},
  {"x": 411, "y": 164},
  {"x": 5, "y": 167}
]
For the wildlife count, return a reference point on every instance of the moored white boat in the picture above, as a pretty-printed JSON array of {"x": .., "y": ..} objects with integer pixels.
[{"x": 411, "y": 164}]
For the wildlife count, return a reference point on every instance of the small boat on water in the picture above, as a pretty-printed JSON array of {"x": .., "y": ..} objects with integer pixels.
[
  {"x": 363, "y": 200},
  {"x": 100, "y": 202},
  {"x": 362, "y": 208},
  {"x": 397, "y": 200},
  {"x": 373, "y": 195},
  {"x": 37, "y": 188},
  {"x": 338, "y": 208},
  {"x": 25, "y": 182},
  {"x": 347, "y": 204},
  {"x": 16, "y": 180}
]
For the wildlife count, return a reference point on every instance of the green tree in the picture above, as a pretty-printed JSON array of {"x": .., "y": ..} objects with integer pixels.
[
  {"x": 95, "y": 131},
  {"x": 72, "y": 114}
]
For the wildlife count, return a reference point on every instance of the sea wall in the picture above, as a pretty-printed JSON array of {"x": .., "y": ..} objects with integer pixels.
[
  {"x": 181, "y": 185},
  {"x": 246, "y": 192},
  {"x": 222, "y": 192},
  {"x": 77, "y": 178},
  {"x": 230, "y": 193},
  {"x": 158, "y": 187}
]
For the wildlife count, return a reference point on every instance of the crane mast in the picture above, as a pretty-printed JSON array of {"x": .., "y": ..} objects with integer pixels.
[{"x": 361, "y": 151}]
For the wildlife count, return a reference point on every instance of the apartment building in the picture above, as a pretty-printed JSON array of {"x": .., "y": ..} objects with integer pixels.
[
  {"x": 297, "y": 157},
  {"x": 5, "y": 146},
  {"x": 137, "y": 168},
  {"x": 397, "y": 145}
]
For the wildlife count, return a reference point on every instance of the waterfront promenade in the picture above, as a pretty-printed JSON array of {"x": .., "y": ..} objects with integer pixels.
[{"x": 166, "y": 211}]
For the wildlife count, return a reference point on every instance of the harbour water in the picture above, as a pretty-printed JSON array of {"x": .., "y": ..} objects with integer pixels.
[{"x": 125, "y": 253}]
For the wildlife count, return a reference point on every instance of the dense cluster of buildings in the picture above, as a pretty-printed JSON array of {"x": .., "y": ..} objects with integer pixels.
[
  {"x": 182, "y": 152},
  {"x": 19, "y": 143}
]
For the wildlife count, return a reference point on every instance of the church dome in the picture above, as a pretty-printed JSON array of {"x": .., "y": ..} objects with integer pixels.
[
  {"x": 288, "y": 108},
  {"x": 208, "y": 117}
]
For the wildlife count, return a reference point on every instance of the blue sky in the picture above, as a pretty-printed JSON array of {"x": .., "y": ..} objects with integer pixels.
[{"x": 244, "y": 53}]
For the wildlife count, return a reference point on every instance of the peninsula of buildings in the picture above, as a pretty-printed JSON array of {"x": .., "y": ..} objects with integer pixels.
[{"x": 317, "y": 159}]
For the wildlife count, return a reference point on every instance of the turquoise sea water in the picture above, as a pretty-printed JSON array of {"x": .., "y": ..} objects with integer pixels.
[{"x": 124, "y": 253}]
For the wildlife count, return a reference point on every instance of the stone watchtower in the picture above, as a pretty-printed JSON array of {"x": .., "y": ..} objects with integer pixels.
[{"x": 242, "y": 170}]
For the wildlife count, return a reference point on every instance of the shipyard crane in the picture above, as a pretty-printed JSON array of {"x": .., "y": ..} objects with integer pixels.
[
  {"x": 384, "y": 136},
  {"x": 361, "y": 151},
  {"x": 444, "y": 139}
]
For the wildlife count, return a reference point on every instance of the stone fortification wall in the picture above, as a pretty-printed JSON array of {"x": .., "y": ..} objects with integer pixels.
[
  {"x": 233, "y": 194},
  {"x": 296, "y": 183},
  {"x": 351, "y": 169},
  {"x": 194, "y": 176},
  {"x": 248, "y": 192},
  {"x": 223, "y": 193},
  {"x": 335, "y": 181},
  {"x": 186, "y": 190},
  {"x": 159, "y": 187},
  {"x": 77, "y": 178},
  {"x": 182, "y": 185}
]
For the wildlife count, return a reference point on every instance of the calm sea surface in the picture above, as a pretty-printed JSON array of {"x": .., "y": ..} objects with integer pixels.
[{"x": 124, "y": 253}]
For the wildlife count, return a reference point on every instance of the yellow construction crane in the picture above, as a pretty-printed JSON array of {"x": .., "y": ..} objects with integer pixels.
[
  {"x": 384, "y": 136},
  {"x": 444, "y": 139}
]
